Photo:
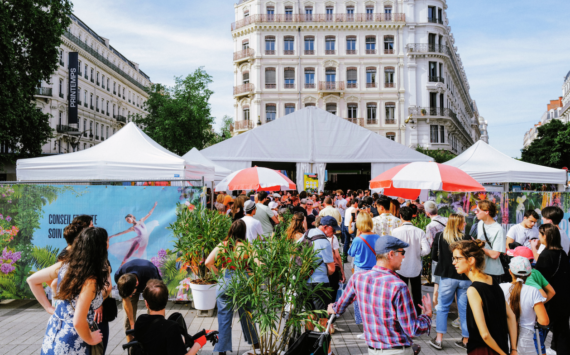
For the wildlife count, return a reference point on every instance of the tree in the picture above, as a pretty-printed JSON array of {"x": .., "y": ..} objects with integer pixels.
[
  {"x": 438, "y": 155},
  {"x": 551, "y": 147},
  {"x": 225, "y": 132},
  {"x": 30, "y": 35},
  {"x": 179, "y": 118}
]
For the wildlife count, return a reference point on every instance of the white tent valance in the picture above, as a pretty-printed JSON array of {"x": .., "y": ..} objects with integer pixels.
[
  {"x": 194, "y": 155},
  {"x": 128, "y": 155},
  {"x": 488, "y": 165}
]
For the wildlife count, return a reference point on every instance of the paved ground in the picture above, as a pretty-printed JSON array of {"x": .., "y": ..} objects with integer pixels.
[{"x": 23, "y": 324}]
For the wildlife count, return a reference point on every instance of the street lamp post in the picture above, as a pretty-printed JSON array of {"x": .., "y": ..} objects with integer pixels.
[{"x": 75, "y": 137}]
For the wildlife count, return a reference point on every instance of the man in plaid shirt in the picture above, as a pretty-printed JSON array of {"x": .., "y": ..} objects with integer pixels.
[{"x": 388, "y": 313}]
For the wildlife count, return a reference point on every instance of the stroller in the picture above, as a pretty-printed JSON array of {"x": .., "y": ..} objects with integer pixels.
[
  {"x": 136, "y": 348},
  {"x": 313, "y": 343}
]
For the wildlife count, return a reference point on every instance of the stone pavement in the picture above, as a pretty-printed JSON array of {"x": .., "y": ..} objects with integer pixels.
[{"x": 23, "y": 324}]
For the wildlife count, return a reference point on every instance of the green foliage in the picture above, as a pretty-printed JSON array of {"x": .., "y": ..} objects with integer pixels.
[
  {"x": 551, "y": 147},
  {"x": 266, "y": 283},
  {"x": 199, "y": 231},
  {"x": 29, "y": 36},
  {"x": 171, "y": 275},
  {"x": 225, "y": 132},
  {"x": 179, "y": 118},
  {"x": 438, "y": 155},
  {"x": 44, "y": 257}
]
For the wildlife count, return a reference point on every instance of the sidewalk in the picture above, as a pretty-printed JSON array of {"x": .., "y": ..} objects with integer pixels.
[{"x": 23, "y": 324}]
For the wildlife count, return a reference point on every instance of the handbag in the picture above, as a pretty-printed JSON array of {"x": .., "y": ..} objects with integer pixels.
[
  {"x": 110, "y": 310},
  {"x": 97, "y": 349},
  {"x": 503, "y": 258}
]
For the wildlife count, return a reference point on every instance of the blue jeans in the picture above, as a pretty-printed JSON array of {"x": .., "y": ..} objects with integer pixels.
[
  {"x": 346, "y": 237},
  {"x": 448, "y": 289},
  {"x": 542, "y": 333},
  {"x": 357, "y": 314},
  {"x": 225, "y": 320}
]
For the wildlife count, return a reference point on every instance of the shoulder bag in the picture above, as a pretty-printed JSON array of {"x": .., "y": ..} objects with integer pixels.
[
  {"x": 503, "y": 258},
  {"x": 364, "y": 240}
]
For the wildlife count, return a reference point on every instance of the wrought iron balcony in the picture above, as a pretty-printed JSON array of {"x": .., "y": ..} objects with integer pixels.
[
  {"x": 61, "y": 63},
  {"x": 86, "y": 77},
  {"x": 270, "y": 86},
  {"x": 92, "y": 80},
  {"x": 357, "y": 121},
  {"x": 61, "y": 95},
  {"x": 390, "y": 121},
  {"x": 79, "y": 102},
  {"x": 85, "y": 104},
  {"x": 129, "y": 100},
  {"x": 432, "y": 19},
  {"x": 269, "y": 52},
  {"x": 97, "y": 109},
  {"x": 244, "y": 54},
  {"x": 370, "y": 85},
  {"x": 436, "y": 79},
  {"x": 371, "y": 51},
  {"x": 289, "y": 86},
  {"x": 388, "y": 85},
  {"x": 243, "y": 89},
  {"x": 114, "y": 92},
  {"x": 388, "y": 51},
  {"x": 309, "y": 85},
  {"x": 330, "y": 52},
  {"x": 91, "y": 107},
  {"x": 331, "y": 85},
  {"x": 309, "y": 52},
  {"x": 96, "y": 138},
  {"x": 102, "y": 138},
  {"x": 243, "y": 125},
  {"x": 371, "y": 121},
  {"x": 288, "y": 52},
  {"x": 61, "y": 128},
  {"x": 350, "y": 85},
  {"x": 43, "y": 91},
  {"x": 122, "y": 119},
  {"x": 427, "y": 48},
  {"x": 351, "y": 51},
  {"x": 91, "y": 135},
  {"x": 98, "y": 83}
]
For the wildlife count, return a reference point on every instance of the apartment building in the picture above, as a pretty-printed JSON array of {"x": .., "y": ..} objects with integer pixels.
[
  {"x": 554, "y": 110},
  {"x": 388, "y": 66}
]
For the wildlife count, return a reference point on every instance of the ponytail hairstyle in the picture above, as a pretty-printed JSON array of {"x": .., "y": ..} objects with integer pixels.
[
  {"x": 515, "y": 294},
  {"x": 472, "y": 249},
  {"x": 296, "y": 226},
  {"x": 78, "y": 224}
]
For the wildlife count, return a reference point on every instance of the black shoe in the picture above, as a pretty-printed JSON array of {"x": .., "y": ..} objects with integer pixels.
[
  {"x": 416, "y": 348},
  {"x": 436, "y": 344},
  {"x": 461, "y": 344}
]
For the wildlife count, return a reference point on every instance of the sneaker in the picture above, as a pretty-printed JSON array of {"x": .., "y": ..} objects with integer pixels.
[
  {"x": 436, "y": 344},
  {"x": 416, "y": 348},
  {"x": 461, "y": 344},
  {"x": 456, "y": 323},
  {"x": 549, "y": 351},
  {"x": 360, "y": 336}
]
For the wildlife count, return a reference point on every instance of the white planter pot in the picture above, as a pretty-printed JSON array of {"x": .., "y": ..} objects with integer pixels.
[{"x": 204, "y": 296}]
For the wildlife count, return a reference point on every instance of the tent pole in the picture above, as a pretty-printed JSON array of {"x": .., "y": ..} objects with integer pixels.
[{"x": 212, "y": 193}]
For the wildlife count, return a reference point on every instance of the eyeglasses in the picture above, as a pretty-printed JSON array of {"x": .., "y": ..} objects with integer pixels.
[
  {"x": 403, "y": 252},
  {"x": 456, "y": 259}
]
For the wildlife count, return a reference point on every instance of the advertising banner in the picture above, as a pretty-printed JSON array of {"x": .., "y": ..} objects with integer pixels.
[
  {"x": 72, "y": 96},
  {"x": 311, "y": 182},
  {"x": 511, "y": 206},
  {"x": 33, "y": 217}
]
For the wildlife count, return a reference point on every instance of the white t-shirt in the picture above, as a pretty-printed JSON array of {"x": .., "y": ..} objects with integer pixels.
[
  {"x": 253, "y": 228},
  {"x": 529, "y": 297},
  {"x": 347, "y": 215},
  {"x": 335, "y": 244},
  {"x": 564, "y": 242},
  {"x": 522, "y": 235},
  {"x": 341, "y": 205}
]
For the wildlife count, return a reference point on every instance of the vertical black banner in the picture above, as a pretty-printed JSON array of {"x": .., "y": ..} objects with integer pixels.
[{"x": 72, "y": 96}]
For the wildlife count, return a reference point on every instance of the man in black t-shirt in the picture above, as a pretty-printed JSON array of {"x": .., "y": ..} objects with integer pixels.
[{"x": 158, "y": 335}]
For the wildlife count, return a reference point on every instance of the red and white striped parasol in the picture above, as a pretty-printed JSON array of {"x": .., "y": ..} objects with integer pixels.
[
  {"x": 258, "y": 179},
  {"x": 407, "y": 180}
]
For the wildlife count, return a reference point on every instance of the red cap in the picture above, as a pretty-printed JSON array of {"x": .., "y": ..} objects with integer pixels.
[{"x": 524, "y": 252}]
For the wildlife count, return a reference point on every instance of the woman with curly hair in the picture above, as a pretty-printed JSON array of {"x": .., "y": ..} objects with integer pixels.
[
  {"x": 83, "y": 277},
  {"x": 296, "y": 229}
]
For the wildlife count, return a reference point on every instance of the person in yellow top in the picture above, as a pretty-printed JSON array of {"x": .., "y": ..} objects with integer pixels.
[{"x": 329, "y": 210}]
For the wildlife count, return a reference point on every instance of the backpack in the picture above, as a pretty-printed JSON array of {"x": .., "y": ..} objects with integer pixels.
[{"x": 308, "y": 242}]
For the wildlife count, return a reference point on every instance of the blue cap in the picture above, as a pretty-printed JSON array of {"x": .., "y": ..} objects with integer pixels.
[
  {"x": 329, "y": 221},
  {"x": 386, "y": 243}
]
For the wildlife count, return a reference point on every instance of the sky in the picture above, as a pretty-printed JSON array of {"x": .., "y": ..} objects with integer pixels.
[{"x": 514, "y": 52}]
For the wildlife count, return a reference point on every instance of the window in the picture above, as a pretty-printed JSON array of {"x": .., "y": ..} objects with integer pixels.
[
  {"x": 309, "y": 104},
  {"x": 391, "y": 136},
  {"x": 96, "y": 130},
  {"x": 351, "y": 77},
  {"x": 388, "y": 44},
  {"x": 79, "y": 66},
  {"x": 371, "y": 77},
  {"x": 371, "y": 113},
  {"x": 97, "y": 103},
  {"x": 431, "y": 42},
  {"x": 434, "y": 130},
  {"x": 309, "y": 78},
  {"x": 103, "y": 81},
  {"x": 370, "y": 45},
  {"x": 84, "y": 146},
  {"x": 351, "y": 45},
  {"x": 289, "y": 77},
  {"x": 388, "y": 12},
  {"x": 246, "y": 13},
  {"x": 90, "y": 128},
  {"x": 369, "y": 13},
  {"x": 85, "y": 72},
  {"x": 350, "y": 13},
  {"x": 433, "y": 71},
  {"x": 107, "y": 132},
  {"x": 389, "y": 77},
  {"x": 61, "y": 88},
  {"x": 270, "y": 112},
  {"x": 330, "y": 75},
  {"x": 442, "y": 134},
  {"x": 309, "y": 45},
  {"x": 108, "y": 87},
  {"x": 432, "y": 16},
  {"x": 245, "y": 77},
  {"x": 390, "y": 108},
  {"x": 352, "y": 110},
  {"x": 440, "y": 79},
  {"x": 288, "y": 13},
  {"x": 270, "y": 45},
  {"x": 439, "y": 16},
  {"x": 331, "y": 108},
  {"x": 329, "y": 11},
  {"x": 107, "y": 110},
  {"x": 60, "y": 118},
  {"x": 246, "y": 112},
  {"x": 289, "y": 108},
  {"x": 85, "y": 128},
  {"x": 270, "y": 13},
  {"x": 245, "y": 44},
  {"x": 85, "y": 98},
  {"x": 61, "y": 57},
  {"x": 91, "y": 101},
  {"x": 330, "y": 45},
  {"x": 308, "y": 13},
  {"x": 92, "y": 75},
  {"x": 270, "y": 78},
  {"x": 289, "y": 45}
]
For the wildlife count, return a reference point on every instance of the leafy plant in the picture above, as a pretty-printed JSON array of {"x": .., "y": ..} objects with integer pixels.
[
  {"x": 44, "y": 257},
  {"x": 270, "y": 288},
  {"x": 166, "y": 262},
  {"x": 438, "y": 155},
  {"x": 199, "y": 231}
]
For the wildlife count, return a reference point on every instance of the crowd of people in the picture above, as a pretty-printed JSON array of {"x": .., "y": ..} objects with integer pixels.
[{"x": 527, "y": 267}]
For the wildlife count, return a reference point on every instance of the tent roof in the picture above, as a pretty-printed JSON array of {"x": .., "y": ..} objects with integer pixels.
[
  {"x": 194, "y": 155},
  {"x": 486, "y": 164},
  {"x": 127, "y": 155},
  {"x": 312, "y": 135}
]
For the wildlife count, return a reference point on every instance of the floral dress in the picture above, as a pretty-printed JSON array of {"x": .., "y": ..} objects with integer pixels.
[{"x": 61, "y": 337}]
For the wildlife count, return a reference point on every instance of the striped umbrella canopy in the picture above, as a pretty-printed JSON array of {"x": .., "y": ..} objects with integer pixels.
[
  {"x": 258, "y": 179},
  {"x": 407, "y": 180}
]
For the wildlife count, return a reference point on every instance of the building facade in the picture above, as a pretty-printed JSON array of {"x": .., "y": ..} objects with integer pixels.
[
  {"x": 388, "y": 66},
  {"x": 554, "y": 110}
]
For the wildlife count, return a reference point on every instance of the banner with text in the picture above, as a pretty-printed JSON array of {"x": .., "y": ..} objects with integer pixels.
[{"x": 33, "y": 217}]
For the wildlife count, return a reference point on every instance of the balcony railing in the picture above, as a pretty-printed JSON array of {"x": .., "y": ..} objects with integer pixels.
[
  {"x": 61, "y": 128},
  {"x": 288, "y": 52},
  {"x": 91, "y": 135},
  {"x": 436, "y": 79},
  {"x": 121, "y": 119},
  {"x": 96, "y": 138},
  {"x": 371, "y": 51},
  {"x": 91, "y": 107},
  {"x": 102, "y": 138},
  {"x": 86, "y": 77},
  {"x": 270, "y": 86},
  {"x": 43, "y": 91},
  {"x": 98, "y": 83},
  {"x": 114, "y": 92},
  {"x": 338, "y": 18},
  {"x": 351, "y": 51},
  {"x": 388, "y": 51},
  {"x": 331, "y": 85},
  {"x": 97, "y": 110},
  {"x": 61, "y": 63},
  {"x": 427, "y": 48},
  {"x": 432, "y": 19},
  {"x": 390, "y": 121},
  {"x": 309, "y": 52},
  {"x": 370, "y": 85},
  {"x": 243, "y": 125},
  {"x": 371, "y": 121},
  {"x": 388, "y": 85},
  {"x": 243, "y": 89},
  {"x": 61, "y": 95},
  {"x": 269, "y": 52},
  {"x": 85, "y": 104},
  {"x": 92, "y": 80},
  {"x": 309, "y": 85},
  {"x": 351, "y": 85},
  {"x": 107, "y": 113},
  {"x": 330, "y": 52},
  {"x": 289, "y": 86},
  {"x": 245, "y": 53},
  {"x": 357, "y": 121},
  {"x": 79, "y": 102}
]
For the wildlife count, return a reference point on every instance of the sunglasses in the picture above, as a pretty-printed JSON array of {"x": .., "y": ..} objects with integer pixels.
[{"x": 403, "y": 252}]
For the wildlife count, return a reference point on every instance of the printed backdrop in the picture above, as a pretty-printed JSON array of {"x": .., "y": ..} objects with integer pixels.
[
  {"x": 32, "y": 219},
  {"x": 511, "y": 206}
]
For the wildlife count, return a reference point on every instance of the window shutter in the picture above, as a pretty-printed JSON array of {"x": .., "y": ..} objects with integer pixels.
[
  {"x": 351, "y": 74},
  {"x": 289, "y": 73},
  {"x": 371, "y": 69},
  {"x": 270, "y": 76},
  {"x": 389, "y": 69},
  {"x": 246, "y": 76}
]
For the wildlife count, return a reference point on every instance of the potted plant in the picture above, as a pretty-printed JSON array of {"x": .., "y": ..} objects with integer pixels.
[
  {"x": 424, "y": 112},
  {"x": 269, "y": 289},
  {"x": 198, "y": 232}
]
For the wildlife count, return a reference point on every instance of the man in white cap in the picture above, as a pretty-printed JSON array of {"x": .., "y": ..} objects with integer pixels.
[{"x": 253, "y": 229}]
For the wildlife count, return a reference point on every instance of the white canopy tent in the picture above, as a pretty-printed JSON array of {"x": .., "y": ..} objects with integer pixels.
[
  {"x": 126, "y": 156},
  {"x": 488, "y": 165},
  {"x": 311, "y": 138},
  {"x": 195, "y": 156}
]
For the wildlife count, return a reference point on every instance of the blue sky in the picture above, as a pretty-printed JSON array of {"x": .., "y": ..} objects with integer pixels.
[{"x": 514, "y": 52}]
